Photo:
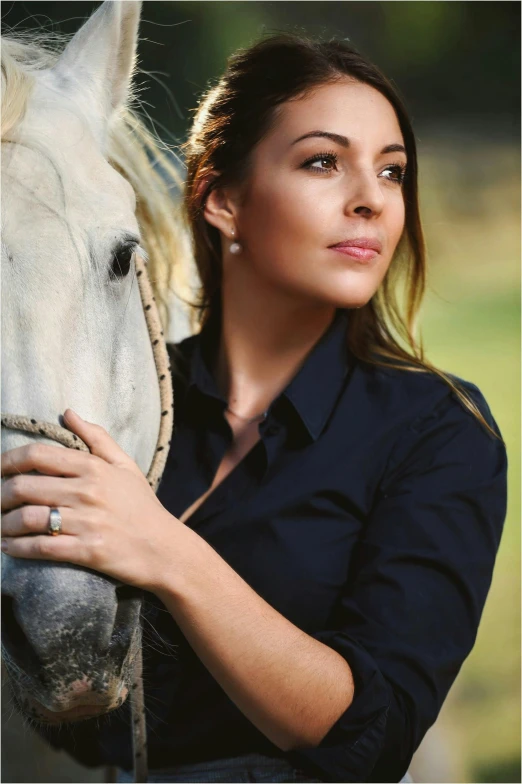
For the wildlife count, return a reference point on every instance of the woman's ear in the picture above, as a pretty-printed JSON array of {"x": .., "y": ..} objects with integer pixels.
[{"x": 219, "y": 208}]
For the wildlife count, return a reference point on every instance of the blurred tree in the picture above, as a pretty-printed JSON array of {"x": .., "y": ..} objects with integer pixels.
[{"x": 456, "y": 63}]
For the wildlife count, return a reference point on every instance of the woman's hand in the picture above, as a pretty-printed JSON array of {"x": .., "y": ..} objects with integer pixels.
[{"x": 112, "y": 520}]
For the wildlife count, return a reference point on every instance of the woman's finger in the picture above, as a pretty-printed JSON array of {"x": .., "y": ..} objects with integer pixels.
[
  {"x": 35, "y": 520},
  {"x": 47, "y": 459},
  {"x": 42, "y": 490},
  {"x": 47, "y": 548},
  {"x": 98, "y": 440}
]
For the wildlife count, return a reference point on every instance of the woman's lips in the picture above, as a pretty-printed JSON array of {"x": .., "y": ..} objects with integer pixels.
[{"x": 361, "y": 254}]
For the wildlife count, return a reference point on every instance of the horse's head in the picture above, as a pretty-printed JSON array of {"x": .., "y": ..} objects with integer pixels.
[{"x": 74, "y": 335}]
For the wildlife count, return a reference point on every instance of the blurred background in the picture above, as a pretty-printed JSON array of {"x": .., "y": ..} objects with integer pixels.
[{"x": 457, "y": 65}]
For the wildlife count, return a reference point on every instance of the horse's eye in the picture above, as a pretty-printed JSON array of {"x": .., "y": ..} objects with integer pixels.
[{"x": 121, "y": 261}]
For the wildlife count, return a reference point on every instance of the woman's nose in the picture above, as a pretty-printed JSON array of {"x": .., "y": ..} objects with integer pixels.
[{"x": 365, "y": 196}]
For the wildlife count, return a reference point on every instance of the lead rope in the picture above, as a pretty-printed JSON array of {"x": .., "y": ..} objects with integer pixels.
[{"x": 71, "y": 440}]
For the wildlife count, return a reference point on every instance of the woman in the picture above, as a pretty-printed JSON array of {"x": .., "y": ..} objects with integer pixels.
[{"x": 333, "y": 504}]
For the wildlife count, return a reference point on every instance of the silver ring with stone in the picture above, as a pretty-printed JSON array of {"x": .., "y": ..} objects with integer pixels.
[{"x": 55, "y": 523}]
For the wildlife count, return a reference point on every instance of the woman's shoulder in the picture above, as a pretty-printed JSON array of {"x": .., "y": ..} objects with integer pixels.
[
  {"x": 433, "y": 441},
  {"x": 421, "y": 398}
]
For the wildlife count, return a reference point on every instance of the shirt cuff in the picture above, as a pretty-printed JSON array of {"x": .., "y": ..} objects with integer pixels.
[{"x": 352, "y": 746}]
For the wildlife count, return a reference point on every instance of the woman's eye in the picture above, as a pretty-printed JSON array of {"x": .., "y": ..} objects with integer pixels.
[
  {"x": 327, "y": 162},
  {"x": 121, "y": 261},
  {"x": 398, "y": 171}
]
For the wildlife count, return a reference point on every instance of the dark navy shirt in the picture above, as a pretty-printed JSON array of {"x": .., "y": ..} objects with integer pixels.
[{"x": 368, "y": 514}]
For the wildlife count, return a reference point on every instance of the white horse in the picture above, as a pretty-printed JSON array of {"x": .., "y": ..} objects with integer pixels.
[{"x": 74, "y": 334}]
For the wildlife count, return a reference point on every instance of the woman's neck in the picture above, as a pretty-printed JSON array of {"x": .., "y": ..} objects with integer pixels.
[{"x": 259, "y": 353}]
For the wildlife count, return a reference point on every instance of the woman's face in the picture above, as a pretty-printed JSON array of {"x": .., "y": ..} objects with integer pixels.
[{"x": 339, "y": 184}]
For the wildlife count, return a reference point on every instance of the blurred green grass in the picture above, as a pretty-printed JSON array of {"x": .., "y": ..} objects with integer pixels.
[{"x": 470, "y": 326}]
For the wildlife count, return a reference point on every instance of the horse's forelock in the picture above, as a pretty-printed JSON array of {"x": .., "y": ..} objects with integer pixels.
[{"x": 132, "y": 147}]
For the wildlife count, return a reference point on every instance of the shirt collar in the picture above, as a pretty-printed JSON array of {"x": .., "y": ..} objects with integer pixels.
[{"x": 316, "y": 385}]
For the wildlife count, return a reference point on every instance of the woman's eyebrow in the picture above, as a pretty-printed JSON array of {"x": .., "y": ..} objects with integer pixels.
[{"x": 345, "y": 142}]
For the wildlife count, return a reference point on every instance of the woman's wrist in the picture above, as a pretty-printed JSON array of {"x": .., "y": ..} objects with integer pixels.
[{"x": 182, "y": 553}]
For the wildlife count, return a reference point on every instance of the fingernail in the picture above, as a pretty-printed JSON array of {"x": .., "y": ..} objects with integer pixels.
[{"x": 4, "y": 545}]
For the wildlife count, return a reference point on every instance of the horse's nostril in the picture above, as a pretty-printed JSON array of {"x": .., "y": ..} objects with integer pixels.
[
  {"x": 127, "y": 615},
  {"x": 14, "y": 639}
]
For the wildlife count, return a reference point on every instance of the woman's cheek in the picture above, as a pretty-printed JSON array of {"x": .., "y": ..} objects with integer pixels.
[
  {"x": 293, "y": 203},
  {"x": 395, "y": 222}
]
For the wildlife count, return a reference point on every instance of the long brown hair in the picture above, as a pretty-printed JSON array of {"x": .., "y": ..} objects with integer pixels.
[{"x": 232, "y": 117}]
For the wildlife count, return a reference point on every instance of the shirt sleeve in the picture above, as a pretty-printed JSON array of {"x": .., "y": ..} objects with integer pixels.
[{"x": 418, "y": 582}]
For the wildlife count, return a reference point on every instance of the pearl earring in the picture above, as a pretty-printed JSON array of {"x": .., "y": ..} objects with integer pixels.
[{"x": 235, "y": 247}]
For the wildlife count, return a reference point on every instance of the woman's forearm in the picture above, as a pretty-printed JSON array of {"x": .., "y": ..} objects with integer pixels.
[{"x": 290, "y": 686}]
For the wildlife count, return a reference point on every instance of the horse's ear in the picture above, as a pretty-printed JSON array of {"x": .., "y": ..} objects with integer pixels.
[{"x": 99, "y": 60}]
